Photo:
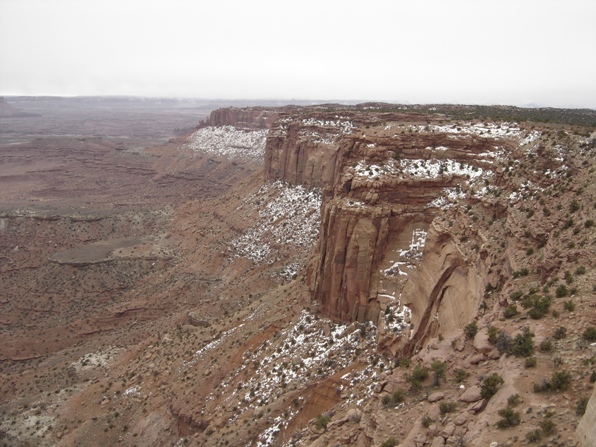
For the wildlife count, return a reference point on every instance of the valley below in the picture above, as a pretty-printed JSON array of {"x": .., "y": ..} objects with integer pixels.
[{"x": 198, "y": 274}]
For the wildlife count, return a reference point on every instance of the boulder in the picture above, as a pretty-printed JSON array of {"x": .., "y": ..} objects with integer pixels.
[
  {"x": 436, "y": 396},
  {"x": 472, "y": 394},
  {"x": 481, "y": 343}
]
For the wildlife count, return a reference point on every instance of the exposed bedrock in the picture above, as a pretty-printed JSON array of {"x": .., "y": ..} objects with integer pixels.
[{"x": 384, "y": 182}]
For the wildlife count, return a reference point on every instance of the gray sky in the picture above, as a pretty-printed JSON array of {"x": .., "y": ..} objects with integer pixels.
[{"x": 516, "y": 52}]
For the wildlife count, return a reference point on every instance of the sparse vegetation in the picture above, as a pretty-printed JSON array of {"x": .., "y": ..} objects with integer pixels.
[
  {"x": 471, "y": 330},
  {"x": 490, "y": 385}
]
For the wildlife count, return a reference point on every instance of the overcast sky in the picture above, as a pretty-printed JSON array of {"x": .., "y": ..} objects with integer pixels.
[{"x": 516, "y": 52}]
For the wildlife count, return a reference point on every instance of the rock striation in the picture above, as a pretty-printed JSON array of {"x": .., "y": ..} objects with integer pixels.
[{"x": 385, "y": 177}]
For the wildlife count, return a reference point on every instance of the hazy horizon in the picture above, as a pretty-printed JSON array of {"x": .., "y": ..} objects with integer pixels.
[{"x": 523, "y": 53}]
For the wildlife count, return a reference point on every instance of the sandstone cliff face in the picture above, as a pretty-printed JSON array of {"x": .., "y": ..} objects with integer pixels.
[
  {"x": 386, "y": 178},
  {"x": 252, "y": 118}
]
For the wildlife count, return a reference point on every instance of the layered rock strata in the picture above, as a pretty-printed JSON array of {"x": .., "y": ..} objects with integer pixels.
[{"x": 385, "y": 178}]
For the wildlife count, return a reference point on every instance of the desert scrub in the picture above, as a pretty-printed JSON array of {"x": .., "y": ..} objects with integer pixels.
[
  {"x": 590, "y": 334},
  {"x": 522, "y": 344},
  {"x": 461, "y": 375},
  {"x": 559, "y": 381},
  {"x": 509, "y": 418},
  {"x": 546, "y": 346},
  {"x": 391, "y": 442},
  {"x": 471, "y": 330},
  {"x": 510, "y": 311},
  {"x": 322, "y": 421},
  {"x": 447, "y": 407},
  {"x": 490, "y": 385},
  {"x": 419, "y": 374},
  {"x": 560, "y": 333}
]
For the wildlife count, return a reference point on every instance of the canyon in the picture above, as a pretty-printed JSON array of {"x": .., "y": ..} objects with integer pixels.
[{"x": 283, "y": 275}]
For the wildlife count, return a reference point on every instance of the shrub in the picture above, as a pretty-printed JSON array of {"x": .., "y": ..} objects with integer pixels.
[
  {"x": 490, "y": 385},
  {"x": 492, "y": 335},
  {"x": 394, "y": 399},
  {"x": 419, "y": 374},
  {"x": 516, "y": 295},
  {"x": 471, "y": 330},
  {"x": 447, "y": 407},
  {"x": 559, "y": 381},
  {"x": 322, "y": 421},
  {"x": 560, "y": 333},
  {"x": 438, "y": 368},
  {"x": 426, "y": 421},
  {"x": 514, "y": 400},
  {"x": 568, "y": 277},
  {"x": 509, "y": 418},
  {"x": 534, "y": 435},
  {"x": 530, "y": 362},
  {"x": 546, "y": 345},
  {"x": 548, "y": 427},
  {"x": 590, "y": 334},
  {"x": 523, "y": 345},
  {"x": 581, "y": 270},
  {"x": 569, "y": 306},
  {"x": 561, "y": 291},
  {"x": 510, "y": 311},
  {"x": 580, "y": 409},
  {"x": 461, "y": 375},
  {"x": 574, "y": 206},
  {"x": 504, "y": 342},
  {"x": 391, "y": 442}
]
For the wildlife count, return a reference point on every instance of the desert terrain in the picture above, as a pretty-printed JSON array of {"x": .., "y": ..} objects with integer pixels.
[{"x": 183, "y": 272}]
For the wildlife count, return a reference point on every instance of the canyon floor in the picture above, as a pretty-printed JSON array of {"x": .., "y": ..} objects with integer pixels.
[{"x": 304, "y": 276}]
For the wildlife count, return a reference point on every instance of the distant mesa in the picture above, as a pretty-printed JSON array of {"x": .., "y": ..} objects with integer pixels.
[{"x": 8, "y": 111}]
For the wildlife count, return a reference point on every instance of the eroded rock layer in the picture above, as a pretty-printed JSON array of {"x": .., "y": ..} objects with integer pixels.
[{"x": 386, "y": 176}]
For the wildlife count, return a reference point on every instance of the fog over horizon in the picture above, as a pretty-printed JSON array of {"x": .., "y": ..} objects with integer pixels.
[{"x": 523, "y": 53}]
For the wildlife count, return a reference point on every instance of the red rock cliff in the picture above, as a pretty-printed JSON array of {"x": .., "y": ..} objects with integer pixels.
[{"x": 386, "y": 177}]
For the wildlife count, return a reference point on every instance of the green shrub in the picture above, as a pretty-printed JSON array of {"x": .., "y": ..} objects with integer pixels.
[
  {"x": 530, "y": 362},
  {"x": 490, "y": 385},
  {"x": 509, "y": 418},
  {"x": 471, "y": 330},
  {"x": 581, "y": 270},
  {"x": 493, "y": 333},
  {"x": 534, "y": 436},
  {"x": 574, "y": 206},
  {"x": 590, "y": 334},
  {"x": 418, "y": 375},
  {"x": 523, "y": 344},
  {"x": 514, "y": 399},
  {"x": 548, "y": 427},
  {"x": 461, "y": 375},
  {"x": 510, "y": 311},
  {"x": 447, "y": 407},
  {"x": 568, "y": 277},
  {"x": 569, "y": 306},
  {"x": 516, "y": 295},
  {"x": 439, "y": 369},
  {"x": 391, "y": 442},
  {"x": 560, "y": 333},
  {"x": 561, "y": 291},
  {"x": 559, "y": 381},
  {"x": 426, "y": 421},
  {"x": 322, "y": 421},
  {"x": 546, "y": 346}
]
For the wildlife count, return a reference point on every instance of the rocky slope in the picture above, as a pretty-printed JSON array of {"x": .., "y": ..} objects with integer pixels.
[{"x": 393, "y": 276}]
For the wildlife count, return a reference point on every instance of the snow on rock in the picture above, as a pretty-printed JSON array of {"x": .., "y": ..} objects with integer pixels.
[
  {"x": 230, "y": 142},
  {"x": 411, "y": 256},
  {"x": 429, "y": 169},
  {"x": 290, "y": 215},
  {"x": 305, "y": 351}
]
